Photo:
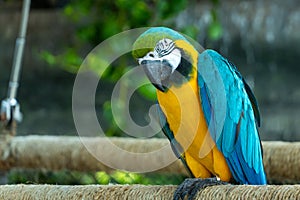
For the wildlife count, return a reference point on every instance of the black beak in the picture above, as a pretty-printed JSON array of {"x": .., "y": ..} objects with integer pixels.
[{"x": 158, "y": 73}]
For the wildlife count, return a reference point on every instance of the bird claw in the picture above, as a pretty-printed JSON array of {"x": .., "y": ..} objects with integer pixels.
[{"x": 190, "y": 186}]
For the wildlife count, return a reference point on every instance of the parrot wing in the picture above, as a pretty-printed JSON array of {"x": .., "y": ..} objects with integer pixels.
[
  {"x": 253, "y": 101},
  {"x": 230, "y": 109}
]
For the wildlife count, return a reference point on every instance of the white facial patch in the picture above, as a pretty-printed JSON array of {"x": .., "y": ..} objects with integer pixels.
[
  {"x": 164, "y": 50},
  {"x": 164, "y": 47},
  {"x": 152, "y": 55},
  {"x": 173, "y": 58}
]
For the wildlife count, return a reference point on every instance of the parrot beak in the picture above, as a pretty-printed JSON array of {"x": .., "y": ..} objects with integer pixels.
[{"x": 158, "y": 73}]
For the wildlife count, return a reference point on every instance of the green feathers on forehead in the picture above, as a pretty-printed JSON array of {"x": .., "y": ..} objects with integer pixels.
[{"x": 147, "y": 41}]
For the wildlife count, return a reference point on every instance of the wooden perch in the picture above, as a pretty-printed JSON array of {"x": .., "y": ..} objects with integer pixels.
[
  {"x": 281, "y": 159},
  {"x": 115, "y": 192},
  {"x": 67, "y": 152}
]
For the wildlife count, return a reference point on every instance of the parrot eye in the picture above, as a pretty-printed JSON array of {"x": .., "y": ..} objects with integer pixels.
[
  {"x": 151, "y": 54},
  {"x": 164, "y": 47}
]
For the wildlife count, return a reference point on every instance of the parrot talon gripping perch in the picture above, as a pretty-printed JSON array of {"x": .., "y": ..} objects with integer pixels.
[{"x": 190, "y": 186}]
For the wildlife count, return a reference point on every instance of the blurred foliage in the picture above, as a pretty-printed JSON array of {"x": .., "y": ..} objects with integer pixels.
[
  {"x": 18, "y": 176},
  {"x": 214, "y": 31},
  {"x": 96, "y": 21}
]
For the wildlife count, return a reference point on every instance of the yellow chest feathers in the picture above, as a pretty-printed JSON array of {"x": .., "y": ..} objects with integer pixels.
[
  {"x": 182, "y": 106},
  {"x": 181, "y": 102}
]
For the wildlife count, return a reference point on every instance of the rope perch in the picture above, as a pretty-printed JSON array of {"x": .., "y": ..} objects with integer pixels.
[
  {"x": 281, "y": 159},
  {"x": 133, "y": 192}
]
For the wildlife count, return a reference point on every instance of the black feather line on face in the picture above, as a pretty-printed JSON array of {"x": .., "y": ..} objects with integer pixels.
[{"x": 183, "y": 72}]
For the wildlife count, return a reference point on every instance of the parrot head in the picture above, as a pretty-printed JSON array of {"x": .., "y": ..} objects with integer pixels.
[{"x": 165, "y": 56}]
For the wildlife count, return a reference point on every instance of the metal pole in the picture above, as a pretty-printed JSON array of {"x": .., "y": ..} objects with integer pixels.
[
  {"x": 10, "y": 108},
  {"x": 18, "y": 54}
]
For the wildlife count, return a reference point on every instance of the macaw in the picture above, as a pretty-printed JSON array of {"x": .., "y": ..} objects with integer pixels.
[{"x": 206, "y": 109}]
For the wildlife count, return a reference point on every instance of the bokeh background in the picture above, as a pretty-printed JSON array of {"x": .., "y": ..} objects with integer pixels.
[{"x": 260, "y": 37}]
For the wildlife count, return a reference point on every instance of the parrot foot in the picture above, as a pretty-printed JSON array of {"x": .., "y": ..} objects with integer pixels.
[{"x": 190, "y": 186}]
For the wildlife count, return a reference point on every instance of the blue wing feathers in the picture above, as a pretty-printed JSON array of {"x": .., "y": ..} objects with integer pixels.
[
  {"x": 205, "y": 103},
  {"x": 237, "y": 166},
  {"x": 241, "y": 171},
  {"x": 253, "y": 103},
  {"x": 238, "y": 139},
  {"x": 228, "y": 142}
]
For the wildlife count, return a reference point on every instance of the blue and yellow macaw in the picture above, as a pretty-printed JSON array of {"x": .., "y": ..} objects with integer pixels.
[{"x": 211, "y": 113}]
